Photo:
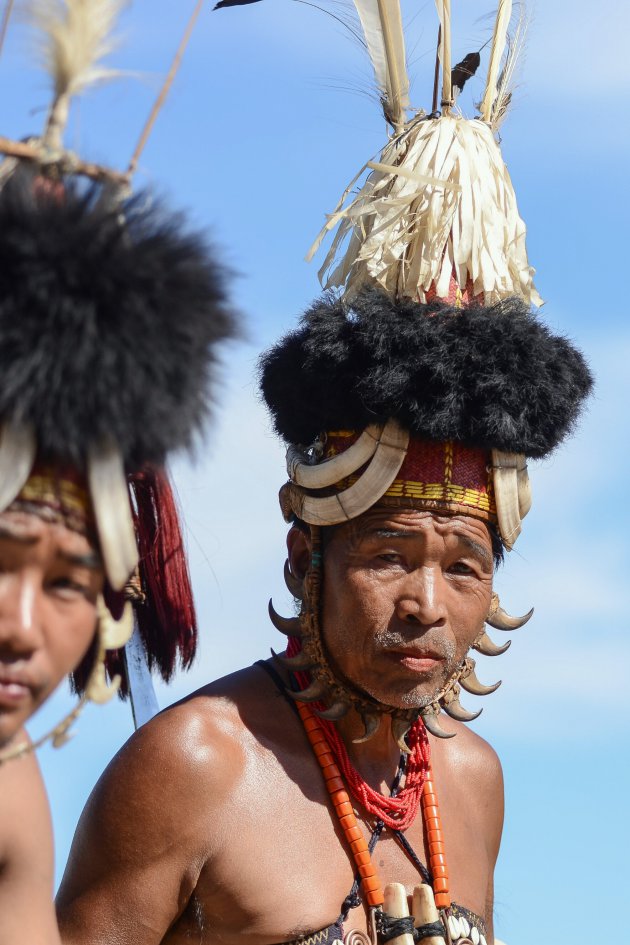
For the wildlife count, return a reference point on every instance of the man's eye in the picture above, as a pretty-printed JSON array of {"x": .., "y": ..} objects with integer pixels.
[
  {"x": 460, "y": 567},
  {"x": 391, "y": 558},
  {"x": 68, "y": 588}
]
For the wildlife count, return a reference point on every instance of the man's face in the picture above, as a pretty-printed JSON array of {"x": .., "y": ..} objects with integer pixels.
[
  {"x": 405, "y": 594},
  {"x": 50, "y": 578}
]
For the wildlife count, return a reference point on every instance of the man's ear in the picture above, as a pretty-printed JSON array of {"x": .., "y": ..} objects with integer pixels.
[{"x": 299, "y": 549}]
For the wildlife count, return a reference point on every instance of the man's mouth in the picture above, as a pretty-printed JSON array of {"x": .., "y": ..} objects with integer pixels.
[
  {"x": 418, "y": 660},
  {"x": 15, "y": 688}
]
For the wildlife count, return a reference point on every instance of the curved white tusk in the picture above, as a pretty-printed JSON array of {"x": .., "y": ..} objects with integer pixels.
[
  {"x": 17, "y": 455},
  {"x": 337, "y": 467},
  {"x": 368, "y": 489},
  {"x": 524, "y": 491},
  {"x": 112, "y": 511},
  {"x": 506, "y": 467}
]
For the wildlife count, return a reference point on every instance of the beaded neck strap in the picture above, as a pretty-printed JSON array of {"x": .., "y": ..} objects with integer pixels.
[{"x": 370, "y": 882}]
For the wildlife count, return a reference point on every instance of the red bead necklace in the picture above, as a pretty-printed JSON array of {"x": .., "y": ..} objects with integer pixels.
[
  {"x": 397, "y": 813},
  {"x": 370, "y": 883}
]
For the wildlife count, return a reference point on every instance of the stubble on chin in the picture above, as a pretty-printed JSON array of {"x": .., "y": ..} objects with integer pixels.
[{"x": 406, "y": 695}]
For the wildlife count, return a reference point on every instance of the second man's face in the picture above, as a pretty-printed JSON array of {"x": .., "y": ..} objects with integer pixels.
[{"x": 50, "y": 578}]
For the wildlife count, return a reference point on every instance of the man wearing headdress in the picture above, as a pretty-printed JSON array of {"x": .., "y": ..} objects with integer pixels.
[{"x": 335, "y": 793}]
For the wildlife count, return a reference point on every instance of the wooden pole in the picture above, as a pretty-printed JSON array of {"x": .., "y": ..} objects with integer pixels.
[{"x": 159, "y": 102}]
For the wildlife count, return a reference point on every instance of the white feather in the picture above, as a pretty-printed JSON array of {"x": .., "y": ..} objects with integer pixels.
[
  {"x": 381, "y": 21},
  {"x": 499, "y": 39},
  {"x": 75, "y": 36},
  {"x": 505, "y": 85}
]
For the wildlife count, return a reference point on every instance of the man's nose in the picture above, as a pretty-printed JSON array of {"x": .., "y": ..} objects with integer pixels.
[
  {"x": 20, "y": 631},
  {"x": 420, "y": 599}
]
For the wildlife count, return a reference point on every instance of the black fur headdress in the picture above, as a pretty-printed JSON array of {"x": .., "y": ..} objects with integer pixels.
[
  {"x": 492, "y": 377},
  {"x": 108, "y": 323}
]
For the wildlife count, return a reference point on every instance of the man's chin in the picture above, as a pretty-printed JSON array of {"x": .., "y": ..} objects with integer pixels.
[{"x": 11, "y": 729}]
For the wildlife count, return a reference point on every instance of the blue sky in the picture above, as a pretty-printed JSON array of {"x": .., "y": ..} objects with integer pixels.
[{"x": 268, "y": 121}]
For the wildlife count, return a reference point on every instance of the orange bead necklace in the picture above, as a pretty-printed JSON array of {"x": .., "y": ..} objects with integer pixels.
[{"x": 370, "y": 883}]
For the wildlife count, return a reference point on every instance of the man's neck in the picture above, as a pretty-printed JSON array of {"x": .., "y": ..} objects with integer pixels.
[{"x": 377, "y": 759}]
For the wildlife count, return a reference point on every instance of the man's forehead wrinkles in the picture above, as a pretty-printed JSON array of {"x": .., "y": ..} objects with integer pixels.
[{"x": 390, "y": 533}]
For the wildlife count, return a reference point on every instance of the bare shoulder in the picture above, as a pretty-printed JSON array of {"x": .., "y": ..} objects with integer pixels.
[
  {"x": 154, "y": 820},
  {"x": 200, "y": 744},
  {"x": 470, "y": 776},
  {"x": 23, "y": 800},
  {"x": 26, "y": 854},
  {"x": 470, "y": 755}
]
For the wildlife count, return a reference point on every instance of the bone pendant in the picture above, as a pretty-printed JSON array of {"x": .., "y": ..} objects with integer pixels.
[
  {"x": 395, "y": 905},
  {"x": 425, "y": 912},
  {"x": 290, "y": 626}
]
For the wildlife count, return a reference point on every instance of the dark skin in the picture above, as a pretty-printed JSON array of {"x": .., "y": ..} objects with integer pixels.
[
  {"x": 49, "y": 581},
  {"x": 213, "y": 822}
]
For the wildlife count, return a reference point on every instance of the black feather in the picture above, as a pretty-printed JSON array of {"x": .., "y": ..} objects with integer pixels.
[
  {"x": 107, "y": 328},
  {"x": 492, "y": 377},
  {"x": 231, "y": 3},
  {"x": 462, "y": 72}
]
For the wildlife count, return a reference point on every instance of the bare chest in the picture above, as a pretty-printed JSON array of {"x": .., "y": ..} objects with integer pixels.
[{"x": 283, "y": 870}]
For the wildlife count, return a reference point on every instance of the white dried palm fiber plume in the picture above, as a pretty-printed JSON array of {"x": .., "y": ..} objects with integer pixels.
[
  {"x": 438, "y": 202},
  {"x": 73, "y": 38}
]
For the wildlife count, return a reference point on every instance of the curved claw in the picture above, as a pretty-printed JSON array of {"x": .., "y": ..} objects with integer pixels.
[
  {"x": 294, "y": 585},
  {"x": 372, "y": 722},
  {"x": 501, "y": 620},
  {"x": 290, "y": 626},
  {"x": 312, "y": 693},
  {"x": 458, "y": 712},
  {"x": 336, "y": 711},
  {"x": 400, "y": 727},
  {"x": 472, "y": 685},
  {"x": 299, "y": 661},
  {"x": 430, "y": 718},
  {"x": 488, "y": 647}
]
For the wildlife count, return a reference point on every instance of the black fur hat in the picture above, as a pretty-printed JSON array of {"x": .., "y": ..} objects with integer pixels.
[
  {"x": 489, "y": 377},
  {"x": 108, "y": 323}
]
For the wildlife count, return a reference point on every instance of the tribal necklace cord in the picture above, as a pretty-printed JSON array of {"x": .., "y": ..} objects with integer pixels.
[{"x": 370, "y": 882}]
